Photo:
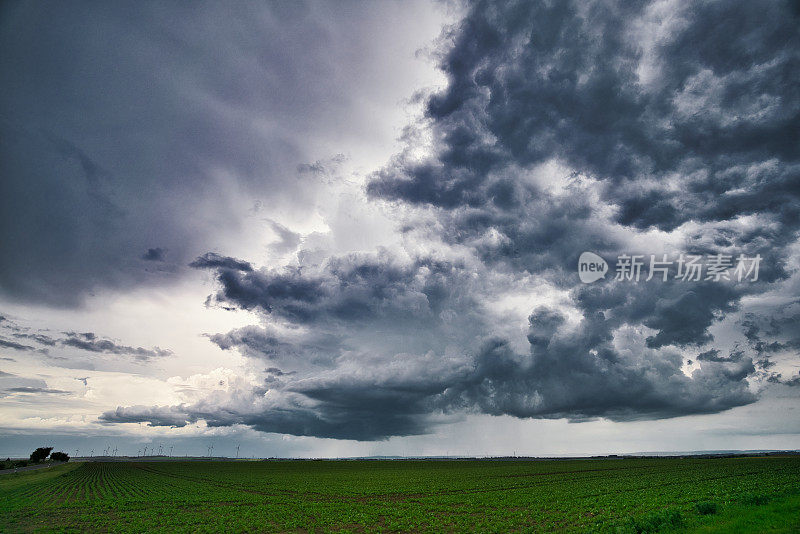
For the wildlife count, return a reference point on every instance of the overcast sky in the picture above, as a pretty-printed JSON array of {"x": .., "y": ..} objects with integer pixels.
[{"x": 341, "y": 228}]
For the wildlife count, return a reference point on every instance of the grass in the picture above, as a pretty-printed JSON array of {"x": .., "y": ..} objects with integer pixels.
[
  {"x": 778, "y": 515},
  {"x": 619, "y": 496},
  {"x": 13, "y": 481},
  {"x": 706, "y": 508}
]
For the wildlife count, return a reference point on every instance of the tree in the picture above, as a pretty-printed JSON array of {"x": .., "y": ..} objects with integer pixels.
[
  {"x": 60, "y": 457},
  {"x": 40, "y": 454}
]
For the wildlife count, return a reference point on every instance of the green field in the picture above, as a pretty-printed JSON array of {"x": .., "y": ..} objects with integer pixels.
[{"x": 626, "y": 495}]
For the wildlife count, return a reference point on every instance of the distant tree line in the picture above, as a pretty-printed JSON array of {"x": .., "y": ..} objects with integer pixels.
[{"x": 38, "y": 456}]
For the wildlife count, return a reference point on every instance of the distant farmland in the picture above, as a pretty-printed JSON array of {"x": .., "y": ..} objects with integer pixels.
[{"x": 630, "y": 495}]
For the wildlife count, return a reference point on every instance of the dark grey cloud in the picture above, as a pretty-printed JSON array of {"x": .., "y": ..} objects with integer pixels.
[
  {"x": 583, "y": 376},
  {"x": 563, "y": 128},
  {"x": 312, "y": 407},
  {"x": 16, "y": 346},
  {"x": 342, "y": 392},
  {"x": 296, "y": 420},
  {"x": 775, "y": 331},
  {"x": 156, "y": 416},
  {"x": 692, "y": 126},
  {"x": 529, "y": 82},
  {"x": 277, "y": 372},
  {"x": 211, "y": 260},
  {"x": 773, "y": 338},
  {"x": 89, "y": 341},
  {"x": 154, "y": 254},
  {"x": 132, "y": 128},
  {"x": 79, "y": 207},
  {"x": 317, "y": 348},
  {"x": 671, "y": 133},
  {"x": 680, "y": 313},
  {"x": 406, "y": 398},
  {"x": 347, "y": 289},
  {"x": 42, "y": 339}
]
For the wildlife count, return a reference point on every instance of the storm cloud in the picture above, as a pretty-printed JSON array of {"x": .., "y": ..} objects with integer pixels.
[
  {"x": 645, "y": 128},
  {"x": 131, "y": 130},
  {"x": 381, "y": 348}
]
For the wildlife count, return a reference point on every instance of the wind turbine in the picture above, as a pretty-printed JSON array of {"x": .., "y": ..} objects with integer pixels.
[{"x": 237, "y": 451}]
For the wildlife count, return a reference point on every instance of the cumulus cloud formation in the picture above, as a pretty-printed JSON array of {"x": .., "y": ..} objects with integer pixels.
[
  {"x": 669, "y": 105},
  {"x": 383, "y": 348},
  {"x": 613, "y": 127}
]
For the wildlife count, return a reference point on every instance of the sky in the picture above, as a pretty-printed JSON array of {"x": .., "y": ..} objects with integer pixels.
[{"x": 316, "y": 229}]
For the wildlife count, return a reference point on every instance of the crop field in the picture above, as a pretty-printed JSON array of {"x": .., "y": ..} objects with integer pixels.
[{"x": 625, "y": 495}]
